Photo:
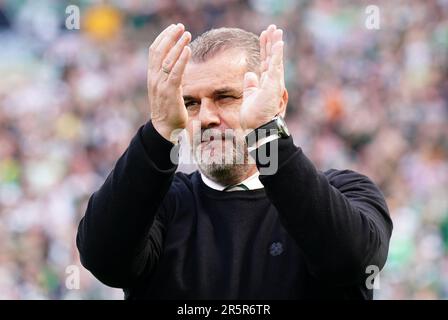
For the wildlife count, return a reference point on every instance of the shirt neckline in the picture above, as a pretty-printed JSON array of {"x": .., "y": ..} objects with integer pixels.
[
  {"x": 224, "y": 196},
  {"x": 252, "y": 183}
]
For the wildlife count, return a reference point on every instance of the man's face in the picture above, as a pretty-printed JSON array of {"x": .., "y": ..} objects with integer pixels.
[{"x": 213, "y": 94}]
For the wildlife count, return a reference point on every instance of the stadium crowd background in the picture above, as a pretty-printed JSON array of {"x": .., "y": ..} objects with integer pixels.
[{"x": 375, "y": 101}]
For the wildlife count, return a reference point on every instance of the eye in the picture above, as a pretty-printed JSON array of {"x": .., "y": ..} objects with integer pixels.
[
  {"x": 225, "y": 98},
  {"x": 191, "y": 104}
]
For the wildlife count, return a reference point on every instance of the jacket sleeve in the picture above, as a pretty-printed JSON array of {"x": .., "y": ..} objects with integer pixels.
[
  {"x": 123, "y": 227},
  {"x": 339, "y": 220}
]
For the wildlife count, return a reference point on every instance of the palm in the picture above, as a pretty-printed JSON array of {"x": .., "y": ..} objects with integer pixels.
[
  {"x": 261, "y": 103},
  {"x": 262, "y": 97}
]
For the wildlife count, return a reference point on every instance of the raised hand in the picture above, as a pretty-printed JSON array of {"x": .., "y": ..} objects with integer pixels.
[
  {"x": 168, "y": 56},
  {"x": 265, "y": 97}
]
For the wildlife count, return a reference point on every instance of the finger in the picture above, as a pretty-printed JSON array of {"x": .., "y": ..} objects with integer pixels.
[
  {"x": 277, "y": 36},
  {"x": 159, "y": 38},
  {"x": 156, "y": 43},
  {"x": 263, "y": 65},
  {"x": 270, "y": 32},
  {"x": 166, "y": 44},
  {"x": 176, "y": 74},
  {"x": 263, "y": 45},
  {"x": 175, "y": 52},
  {"x": 276, "y": 63}
]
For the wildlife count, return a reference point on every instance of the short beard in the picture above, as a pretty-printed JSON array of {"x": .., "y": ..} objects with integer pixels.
[
  {"x": 220, "y": 171},
  {"x": 225, "y": 174}
]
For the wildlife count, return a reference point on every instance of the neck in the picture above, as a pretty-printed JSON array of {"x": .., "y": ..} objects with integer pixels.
[{"x": 226, "y": 179}]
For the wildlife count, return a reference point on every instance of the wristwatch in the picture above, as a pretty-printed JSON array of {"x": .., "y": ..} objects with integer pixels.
[{"x": 273, "y": 130}]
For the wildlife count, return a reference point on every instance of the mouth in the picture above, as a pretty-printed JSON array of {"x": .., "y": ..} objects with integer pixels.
[
  {"x": 221, "y": 137},
  {"x": 220, "y": 148},
  {"x": 214, "y": 140},
  {"x": 222, "y": 143}
]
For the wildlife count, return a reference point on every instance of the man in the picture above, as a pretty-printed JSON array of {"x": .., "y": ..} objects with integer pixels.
[{"x": 233, "y": 229}]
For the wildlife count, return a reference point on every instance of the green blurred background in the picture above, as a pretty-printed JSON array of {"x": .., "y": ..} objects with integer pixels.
[{"x": 375, "y": 101}]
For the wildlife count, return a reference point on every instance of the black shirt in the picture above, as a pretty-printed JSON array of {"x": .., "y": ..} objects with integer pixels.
[{"x": 164, "y": 235}]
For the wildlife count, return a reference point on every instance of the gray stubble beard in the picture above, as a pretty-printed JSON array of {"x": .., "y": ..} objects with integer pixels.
[{"x": 223, "y": 171}]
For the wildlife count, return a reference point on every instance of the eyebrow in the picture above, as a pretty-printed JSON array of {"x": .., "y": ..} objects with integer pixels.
[
  {"x": 217, "y": 92},
  {"x": 189, "y": 98},
  {"x": 225, "y": 90}
]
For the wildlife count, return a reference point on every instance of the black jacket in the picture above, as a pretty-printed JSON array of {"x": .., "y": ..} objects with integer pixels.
[{"x": 164, "y": 235}]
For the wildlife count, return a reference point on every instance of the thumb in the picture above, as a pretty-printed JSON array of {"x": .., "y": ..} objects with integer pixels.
[{"x": 250, "y": 83}]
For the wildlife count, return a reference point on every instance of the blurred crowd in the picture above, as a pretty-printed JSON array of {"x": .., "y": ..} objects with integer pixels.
[{"x": 375, "y": 101}]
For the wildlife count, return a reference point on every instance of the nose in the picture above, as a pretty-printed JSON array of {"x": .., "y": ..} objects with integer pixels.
[{"x": 209, "y": 114}]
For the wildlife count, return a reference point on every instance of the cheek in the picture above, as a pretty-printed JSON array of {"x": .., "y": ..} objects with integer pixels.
[
  {"x": 190, "y": 131},
  {"x": 231, "y": 116}
]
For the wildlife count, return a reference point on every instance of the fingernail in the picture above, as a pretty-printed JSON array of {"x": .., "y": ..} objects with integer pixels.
[{"x": 182, "y": 38}]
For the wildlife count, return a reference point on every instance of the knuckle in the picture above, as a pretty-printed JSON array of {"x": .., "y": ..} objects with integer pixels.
[
  {"x": 158, "y": 84},
  {"x": 167, "y": 63},
  {"x": 174, "y": 75}
]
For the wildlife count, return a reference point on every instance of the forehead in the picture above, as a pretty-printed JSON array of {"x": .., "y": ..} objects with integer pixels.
[{"x": 225, "y": 69}]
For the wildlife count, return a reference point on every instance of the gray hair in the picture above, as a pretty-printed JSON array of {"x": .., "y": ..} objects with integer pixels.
[{"x": 214, "y": 41}]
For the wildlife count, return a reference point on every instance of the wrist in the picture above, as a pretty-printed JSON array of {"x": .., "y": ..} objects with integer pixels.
[
  {"x": 165, "y": 131},
  {"x": 254, "y": 124},
  {"x": 271, "y": 130},
  {"x": 161, "y": 151}
]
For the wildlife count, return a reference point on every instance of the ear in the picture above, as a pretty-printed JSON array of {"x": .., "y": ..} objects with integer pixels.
[{"x": 283, "y": 102}]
